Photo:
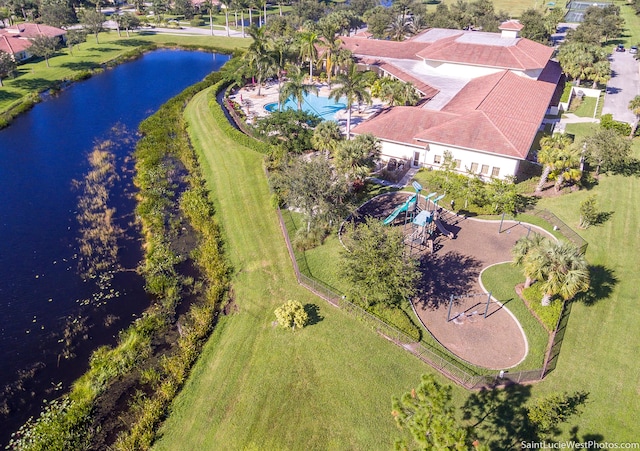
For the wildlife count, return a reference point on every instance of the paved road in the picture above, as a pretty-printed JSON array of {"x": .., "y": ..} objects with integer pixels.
[{"x": 623, "y": 86}]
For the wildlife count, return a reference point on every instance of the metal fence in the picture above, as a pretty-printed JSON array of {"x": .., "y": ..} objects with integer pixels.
[
  {"x": 446, "y": 364},
  {"x": 563, "y": 228}
]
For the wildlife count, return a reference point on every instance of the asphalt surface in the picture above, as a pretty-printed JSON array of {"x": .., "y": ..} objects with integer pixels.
[{"x": 623, "y": 86}]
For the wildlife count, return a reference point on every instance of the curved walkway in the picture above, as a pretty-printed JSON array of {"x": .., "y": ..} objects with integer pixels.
[{"x": 497, "y": 342}]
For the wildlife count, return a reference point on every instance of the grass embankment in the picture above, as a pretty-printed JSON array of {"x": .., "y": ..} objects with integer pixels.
[
  {"x": 327, "y": 386},
  {"x": 20, "y": 93}
]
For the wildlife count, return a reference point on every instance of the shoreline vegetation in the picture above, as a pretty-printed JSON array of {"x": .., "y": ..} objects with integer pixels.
[
  {"x": 186, "y": 274},
  {"x": 34, "y": 79}
]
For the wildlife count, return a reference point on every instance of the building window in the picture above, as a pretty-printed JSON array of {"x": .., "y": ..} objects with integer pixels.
[
  {"x": 485, "y": 169},
  {"x": 437, "y": 159},
  {"x": 495, "y": 172},
  {"x": 458, "y": 163},
  {"x": 474, "y": 167}
]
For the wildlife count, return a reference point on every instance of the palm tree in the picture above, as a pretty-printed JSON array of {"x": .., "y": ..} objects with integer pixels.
[
  {"x": 566, "y": 272},
  {"x": 358, "y": 157},
  {"x": 566, "y": 165},
  {"x": 226, "y": 4},
  {"x": 326, "y": 137},
  {"x": 523, "y": 247},
  {"x": 551, "y": 149},
  {"x": 308, "y": 50},
  {"x": 352, "y": 87},
  {"x": 331, "y": 46},
  {"x": 398, "y": 29},
  {"x": 296, "y": 87},
  {"x": 634, "y": 106}
]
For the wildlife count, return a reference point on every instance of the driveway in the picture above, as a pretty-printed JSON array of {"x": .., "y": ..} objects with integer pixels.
[{"x": 623, "y": 86}]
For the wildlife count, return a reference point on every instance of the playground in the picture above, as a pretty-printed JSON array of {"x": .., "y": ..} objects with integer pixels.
[{"x": 452, "y": 251}]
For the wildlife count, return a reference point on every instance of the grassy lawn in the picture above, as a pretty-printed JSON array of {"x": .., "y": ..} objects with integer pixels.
[
  {"x": 500, "y": 280},
  {"x": 36, "y": 76},
  {"x": 327, "y": 386},
  {"x": 599, "y": 352},
  {"x": 586, "y": 108},
  {"x": 513, "y": 7}
]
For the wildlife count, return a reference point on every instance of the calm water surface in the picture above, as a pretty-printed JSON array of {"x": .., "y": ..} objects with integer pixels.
[{"x": 40, "y": 154}]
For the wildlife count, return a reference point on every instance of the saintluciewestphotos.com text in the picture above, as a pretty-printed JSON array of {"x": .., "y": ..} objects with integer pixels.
[{"x": 579, "y": 445}]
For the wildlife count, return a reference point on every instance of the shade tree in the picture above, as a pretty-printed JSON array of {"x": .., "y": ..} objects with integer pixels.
[
  {"x": 7, "y": 65},
  {"x": 44, "y": 46},
  {"x": 606, "y": 149},
  {"x": 356, "y": 158},
  {"x": 428, "y": 415},
  {"x": 375, "y": 268},
  {"x": 92, "y": 22}
]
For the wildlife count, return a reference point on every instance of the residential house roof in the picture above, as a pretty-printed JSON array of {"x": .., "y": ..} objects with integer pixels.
[{"x": 16, "y": 39}]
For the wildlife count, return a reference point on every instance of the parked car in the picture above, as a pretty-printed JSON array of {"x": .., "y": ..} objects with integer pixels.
[
  {"x": 633, "y": 50},
  {"x": 620, "y": 48}
]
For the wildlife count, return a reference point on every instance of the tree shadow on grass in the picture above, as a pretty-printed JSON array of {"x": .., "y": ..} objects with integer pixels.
[
  {"x": 83, "y": 65},
  {"x": 102, "y": 49},
  {"x": 313, "y": 311},
  {"x": 132, "y": 42},
  {"x": 31, "y": 84},
  {"x": 7, "y": 96},
  {"x": 498, "y": 417},
  {"x": 603, "y": 281},
  {"x": 629, "y": 168}
]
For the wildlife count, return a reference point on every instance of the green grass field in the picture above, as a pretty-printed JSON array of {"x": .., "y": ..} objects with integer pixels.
[
  {"x": 327, "y": 386},
  {"x": 35, "y": 76}
]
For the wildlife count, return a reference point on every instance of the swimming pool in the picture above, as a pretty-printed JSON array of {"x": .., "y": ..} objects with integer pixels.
[{"x": 322, "y": 106}]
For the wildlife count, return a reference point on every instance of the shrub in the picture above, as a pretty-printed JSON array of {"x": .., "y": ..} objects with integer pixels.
[
  {"x": 547, "y": 315},
  {"x": 397, "y": 318},
  {"x": 197, "y": 21},
  {"x": 305, "y": 240},
  {"x": 292, "y": 314},
  {"x": 607, "y": 121}
]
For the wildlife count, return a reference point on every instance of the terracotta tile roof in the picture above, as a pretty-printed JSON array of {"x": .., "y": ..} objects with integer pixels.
[
  {"x": 402, "y": 123},
  {"x": 15, "y": 39},
  {"x": 474, "y": 130},
  {"x": 523, "y": 55},
  {"x": 382, "y": 49},
  {"x": 511, "y": 25},
  {"x": 473, "y": 93}
]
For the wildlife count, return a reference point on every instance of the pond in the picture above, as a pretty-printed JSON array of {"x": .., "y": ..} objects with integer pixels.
[{"x": 44, "y": 303}]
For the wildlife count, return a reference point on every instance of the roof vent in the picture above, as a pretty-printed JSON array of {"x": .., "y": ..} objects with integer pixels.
[{"x": 510, "y": 29}]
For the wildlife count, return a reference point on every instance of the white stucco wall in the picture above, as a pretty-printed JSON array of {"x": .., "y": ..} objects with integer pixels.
[{"x": 507, "y": 166}]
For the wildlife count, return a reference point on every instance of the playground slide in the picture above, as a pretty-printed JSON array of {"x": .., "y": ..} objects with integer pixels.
[
  {"x": 404, "y": 207},
  {"x": 443, "y": 229}
]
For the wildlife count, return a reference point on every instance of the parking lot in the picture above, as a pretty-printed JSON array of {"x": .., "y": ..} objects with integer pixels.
[{"x": 623, "y": 86}]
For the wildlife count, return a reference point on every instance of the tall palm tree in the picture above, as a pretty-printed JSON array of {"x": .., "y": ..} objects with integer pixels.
[
  {"x": 352, "y": 86},
  {"x": 566, "y": 272},
  {"x": 308, "y": 50},
  {"x": 634, "y": 106},
  {"x": 552, "y": 149},
  {"x": 331, "y": 47},
  {"x": 297, "y": 88}
]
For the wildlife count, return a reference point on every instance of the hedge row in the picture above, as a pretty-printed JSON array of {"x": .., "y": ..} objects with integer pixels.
[{"x": 230, "y": 130}]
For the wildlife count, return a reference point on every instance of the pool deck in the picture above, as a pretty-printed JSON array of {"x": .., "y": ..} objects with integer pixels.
[{"x": 254, "y": 104}]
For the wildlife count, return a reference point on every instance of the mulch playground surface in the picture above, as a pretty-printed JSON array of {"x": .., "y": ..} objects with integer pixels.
[{"x": 495, "y": 342}]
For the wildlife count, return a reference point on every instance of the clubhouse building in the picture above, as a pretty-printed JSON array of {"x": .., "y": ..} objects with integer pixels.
[{"x": 484, "y": 97}]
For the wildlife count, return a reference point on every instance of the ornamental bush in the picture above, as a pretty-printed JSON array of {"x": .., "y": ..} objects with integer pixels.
[{"x": 292, "y": 314}]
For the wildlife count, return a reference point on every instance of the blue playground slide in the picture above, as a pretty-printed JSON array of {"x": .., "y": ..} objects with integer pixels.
[
  {"x": 443, "y": 229},
  {"x": 399, "y": 209}
]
